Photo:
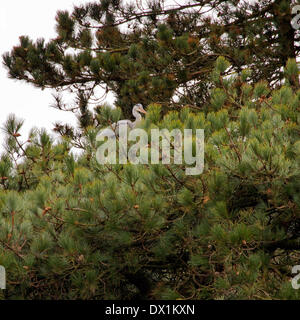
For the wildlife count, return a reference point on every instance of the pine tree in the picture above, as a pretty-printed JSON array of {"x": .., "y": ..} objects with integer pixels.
[
  {"x": 74, "y": 229},
  {"x": 152, "y": 54}
]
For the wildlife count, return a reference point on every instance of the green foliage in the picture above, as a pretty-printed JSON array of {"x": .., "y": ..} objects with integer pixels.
[
  {"x": 260, "y": 89},
  {"x": 221, "y": 65},
  {"x": 218, "y": 98},
  {"x": 74, "y": 229}
]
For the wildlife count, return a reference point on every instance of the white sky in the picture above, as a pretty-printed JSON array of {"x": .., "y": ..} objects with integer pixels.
[{"x": 36, "y": 19}]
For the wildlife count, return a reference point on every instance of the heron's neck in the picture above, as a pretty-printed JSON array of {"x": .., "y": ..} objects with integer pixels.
[{"x": 137, "y": 116}]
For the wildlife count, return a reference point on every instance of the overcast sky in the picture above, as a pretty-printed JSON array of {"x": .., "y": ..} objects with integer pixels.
[{"x": 36, "y": 19}]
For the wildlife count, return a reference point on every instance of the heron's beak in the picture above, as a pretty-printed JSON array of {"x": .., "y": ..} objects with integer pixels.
[{"x": 143, "y": 111}]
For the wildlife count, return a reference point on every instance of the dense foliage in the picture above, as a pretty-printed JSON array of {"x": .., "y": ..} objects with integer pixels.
[{"x": 74, "y": 229}]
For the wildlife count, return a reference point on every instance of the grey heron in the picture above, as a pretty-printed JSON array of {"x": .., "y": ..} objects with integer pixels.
[{"x": 113, "y": 130}]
